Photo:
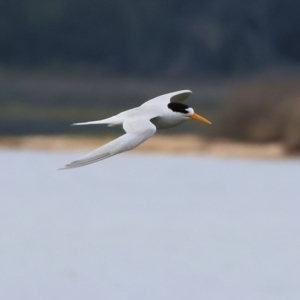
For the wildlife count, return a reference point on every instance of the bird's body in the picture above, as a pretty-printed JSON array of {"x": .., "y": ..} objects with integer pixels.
[{"x": 141, "y": 123}]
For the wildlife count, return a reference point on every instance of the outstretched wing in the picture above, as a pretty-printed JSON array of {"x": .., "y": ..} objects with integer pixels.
[
  {"x": 137, "y": 131},
  {"x": 178, "y": 96}
]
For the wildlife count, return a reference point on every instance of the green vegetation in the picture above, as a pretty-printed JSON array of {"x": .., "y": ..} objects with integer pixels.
[{"x": 149, "y": 38}]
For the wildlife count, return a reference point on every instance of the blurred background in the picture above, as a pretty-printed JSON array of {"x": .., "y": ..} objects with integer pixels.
[
  {"x": 151, "y": 225},
  {"x": 65, "y": 61}
]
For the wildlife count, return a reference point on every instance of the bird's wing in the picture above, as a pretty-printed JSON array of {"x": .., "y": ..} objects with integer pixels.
[
  {"x": 178, "y": 96},
  {"x": 137, "y": 130}
]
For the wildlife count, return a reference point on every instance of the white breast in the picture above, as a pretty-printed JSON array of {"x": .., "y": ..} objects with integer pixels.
[{"x": 167, "y": 121}]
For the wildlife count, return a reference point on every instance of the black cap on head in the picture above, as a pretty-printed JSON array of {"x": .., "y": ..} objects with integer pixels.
[{"x": 178, "y": 107}]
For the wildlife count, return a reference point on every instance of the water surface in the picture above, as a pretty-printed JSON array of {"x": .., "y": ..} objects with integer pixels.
[{"x": 148, "y": 227}]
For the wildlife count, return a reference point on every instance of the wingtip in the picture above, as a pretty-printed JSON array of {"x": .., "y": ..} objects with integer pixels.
[
  {"x": 66, "y": 167},
  {"x": 180, "y": 96},
  {"x": 69, "y": 166},
  {"x": 186, "y": 91}
]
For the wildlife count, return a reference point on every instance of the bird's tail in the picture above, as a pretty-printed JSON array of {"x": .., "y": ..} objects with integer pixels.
[{"x": 110, "y": 121}]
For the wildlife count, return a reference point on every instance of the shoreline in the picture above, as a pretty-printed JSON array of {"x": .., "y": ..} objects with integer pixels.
[{"x": 167, "y": 144}]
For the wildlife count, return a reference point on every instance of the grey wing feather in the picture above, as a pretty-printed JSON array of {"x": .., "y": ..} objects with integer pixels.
[
  {"x": 138, "y": 130},
  {"x": 178, "y": 96}
]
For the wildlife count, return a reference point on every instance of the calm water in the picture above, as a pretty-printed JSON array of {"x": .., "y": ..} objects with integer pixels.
[{"x": 148, "y": 227}]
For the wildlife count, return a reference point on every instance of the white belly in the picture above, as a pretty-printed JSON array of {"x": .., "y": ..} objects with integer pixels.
[{"x": 164, "y": 123}]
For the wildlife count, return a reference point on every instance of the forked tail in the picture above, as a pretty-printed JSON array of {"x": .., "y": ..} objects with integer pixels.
[{"x": 110, "y": 121}]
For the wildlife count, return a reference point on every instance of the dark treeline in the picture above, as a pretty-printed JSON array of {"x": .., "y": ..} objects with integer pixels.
[{"x": 169, "y": 37}]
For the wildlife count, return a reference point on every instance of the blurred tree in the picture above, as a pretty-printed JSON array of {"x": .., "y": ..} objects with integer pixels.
[{"x": 151, "y": 37}]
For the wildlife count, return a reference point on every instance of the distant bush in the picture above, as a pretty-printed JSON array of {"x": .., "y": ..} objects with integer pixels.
[
  {"x": 292, "y": 134},
  {"x": 262, "y": 114}
]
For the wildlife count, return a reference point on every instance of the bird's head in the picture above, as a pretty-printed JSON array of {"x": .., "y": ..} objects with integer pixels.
[{"x": 186, "y": 112}]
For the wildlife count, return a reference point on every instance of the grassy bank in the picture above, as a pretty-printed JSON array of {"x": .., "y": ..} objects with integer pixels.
[{"x": 167, "y": 144}]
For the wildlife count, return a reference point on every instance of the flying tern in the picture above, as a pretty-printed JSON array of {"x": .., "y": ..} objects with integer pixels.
[{"x": 140, "y": 124}]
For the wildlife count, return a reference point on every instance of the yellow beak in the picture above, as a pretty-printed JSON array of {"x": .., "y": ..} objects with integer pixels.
[{"x": 199, "y": 118}]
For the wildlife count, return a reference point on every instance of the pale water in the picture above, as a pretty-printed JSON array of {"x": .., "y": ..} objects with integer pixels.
[{"x": 149, "y": 227}]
